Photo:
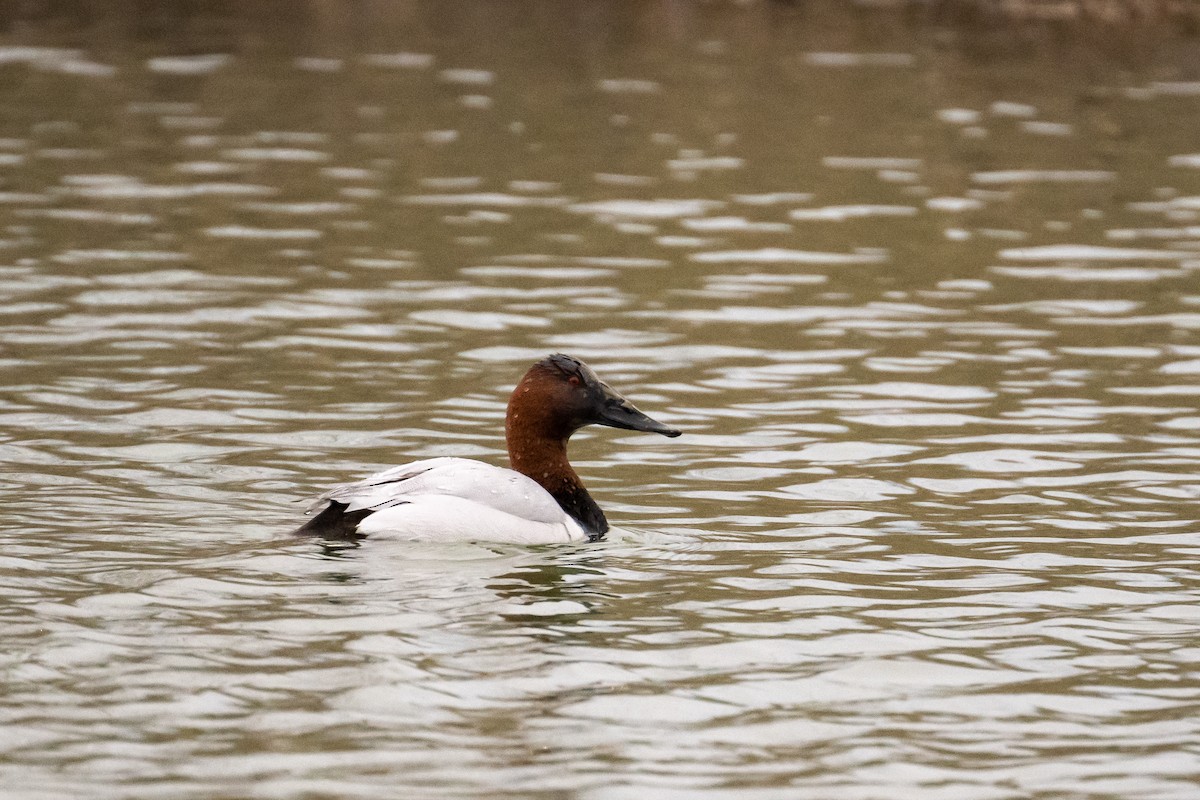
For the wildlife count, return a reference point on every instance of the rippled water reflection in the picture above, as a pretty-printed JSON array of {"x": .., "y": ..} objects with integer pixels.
[{"x": 925, "y": 303}]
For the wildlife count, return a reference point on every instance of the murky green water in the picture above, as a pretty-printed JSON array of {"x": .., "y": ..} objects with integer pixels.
[{"x": 924, "y": 300}]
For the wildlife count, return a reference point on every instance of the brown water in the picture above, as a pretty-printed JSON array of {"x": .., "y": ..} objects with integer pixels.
[{"x": 925, "y": 302}]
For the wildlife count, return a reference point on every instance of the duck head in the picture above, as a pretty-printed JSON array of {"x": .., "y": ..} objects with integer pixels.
[
  {"x": 561, "y": 394},
  {"x": 558, "y": 396}
]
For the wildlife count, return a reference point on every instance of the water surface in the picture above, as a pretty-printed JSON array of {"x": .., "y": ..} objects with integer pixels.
[{"x": 924, "y": 300}]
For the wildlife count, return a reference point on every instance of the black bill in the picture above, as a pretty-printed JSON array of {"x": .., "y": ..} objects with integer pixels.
[{"x": 617, "y": 412}]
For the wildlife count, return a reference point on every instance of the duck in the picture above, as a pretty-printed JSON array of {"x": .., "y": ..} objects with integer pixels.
[{"x": 540, "y": 500}]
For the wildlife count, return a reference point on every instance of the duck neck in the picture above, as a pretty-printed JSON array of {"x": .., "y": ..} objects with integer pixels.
[{"x": 544, "y": 459}]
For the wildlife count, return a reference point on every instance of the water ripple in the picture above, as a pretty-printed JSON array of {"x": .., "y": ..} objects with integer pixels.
[{"x": 931, "y": 530}]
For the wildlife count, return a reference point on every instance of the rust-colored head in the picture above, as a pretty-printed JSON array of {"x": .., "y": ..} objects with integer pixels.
[
  {"x": 558, "y": 396},
  {"x": 561, "y": 394}
]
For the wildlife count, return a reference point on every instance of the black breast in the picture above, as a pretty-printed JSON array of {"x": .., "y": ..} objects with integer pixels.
[{"x": 583, "y": 509}]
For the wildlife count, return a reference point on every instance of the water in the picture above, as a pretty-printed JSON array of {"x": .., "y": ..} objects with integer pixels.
[{"x": 924, "y": 301}]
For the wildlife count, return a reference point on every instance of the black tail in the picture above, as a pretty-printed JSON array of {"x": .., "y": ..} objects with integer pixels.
[{"x": 335, "y": 522}]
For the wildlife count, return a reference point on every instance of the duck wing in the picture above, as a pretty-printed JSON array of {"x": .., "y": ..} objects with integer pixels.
[{"x": 488, "y": 486}]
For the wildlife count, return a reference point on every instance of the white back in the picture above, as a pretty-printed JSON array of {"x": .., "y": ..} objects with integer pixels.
[{"x": 456, "y": 498}]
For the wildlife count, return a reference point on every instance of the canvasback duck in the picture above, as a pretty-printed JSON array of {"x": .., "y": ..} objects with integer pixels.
[{"x": 539, "y": 500}]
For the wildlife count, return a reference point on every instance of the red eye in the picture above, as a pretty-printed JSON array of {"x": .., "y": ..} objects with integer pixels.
[{"x": 573, "y": 380}]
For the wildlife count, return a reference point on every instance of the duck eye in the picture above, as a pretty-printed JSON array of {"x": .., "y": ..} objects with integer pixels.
[{"x": 574, "y": 380}]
